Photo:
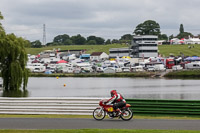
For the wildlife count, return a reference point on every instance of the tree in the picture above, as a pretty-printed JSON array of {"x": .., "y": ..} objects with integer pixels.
[
  {"x": 181, "y": 29},
  {"x": 13, "y": 59},
  {"x": 62, "y": 39},
  {"x": 127, "y": 37},
  {"x": 27, "y": 44},
  {"x": 149, "y": 27},
  {"x": 68, "y": 42},
  {"x": 79, "y": 40},
  {"x": 1, "y": 27},
  {"x": 92, "y": 42},
  {"x": 98, "y": 40},
  {"x": 91, "y": 38},
  {"x": 162, "y": 37},
  {"x": 115, "y": 41},
  {"x": 171, "y": 37},
  {"x": 36, "y": 44},
  {"x": 108, "y": 41},
  {"x": 182, "y": 33}
]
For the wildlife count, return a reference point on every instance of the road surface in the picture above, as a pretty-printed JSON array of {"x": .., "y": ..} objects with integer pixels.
[{"x": 78, "y": 123}]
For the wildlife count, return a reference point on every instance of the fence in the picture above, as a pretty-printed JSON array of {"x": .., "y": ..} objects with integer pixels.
[
  {"x": 175, "y": 107},
  {"x": 72, "y": 106},
  {"x": 85, "y": 106}
]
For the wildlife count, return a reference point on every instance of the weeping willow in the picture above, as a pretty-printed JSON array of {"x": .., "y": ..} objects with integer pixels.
[
  {"x": 13, "y": 59},
  {"x": 1, "y": 28}
]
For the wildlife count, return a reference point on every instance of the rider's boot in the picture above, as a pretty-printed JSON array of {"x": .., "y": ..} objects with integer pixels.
[{"x": 119, "y": 111}]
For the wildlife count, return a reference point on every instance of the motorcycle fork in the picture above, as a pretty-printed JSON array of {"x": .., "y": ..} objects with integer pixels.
[{"x": 99, "y": 113}]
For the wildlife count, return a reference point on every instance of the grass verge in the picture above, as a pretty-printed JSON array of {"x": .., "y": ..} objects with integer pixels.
[
  {"x": 97, "y": 131},
  {"x": 186, "y": 74},
  {"x": 90, "y": 116},
  {"x": 136, "y": 74}
]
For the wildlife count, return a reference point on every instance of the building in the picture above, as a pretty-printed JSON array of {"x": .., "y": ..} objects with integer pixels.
[
  {"x": 98, "y": 56},
  {"x": 77, "y": 52},
  {"x": 144, "y": 46},
  {"x": 85, "y": 56},
  {"x": 187, "y": 40},
  {"x": 119, "y": 52},
  {"x": 192, "y": 41}
]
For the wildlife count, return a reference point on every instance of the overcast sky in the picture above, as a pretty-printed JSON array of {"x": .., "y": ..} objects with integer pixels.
[{"x": 109, "y": 19}]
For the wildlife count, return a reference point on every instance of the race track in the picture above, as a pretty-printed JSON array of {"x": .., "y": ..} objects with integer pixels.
[{"x": 77, "y": 123}]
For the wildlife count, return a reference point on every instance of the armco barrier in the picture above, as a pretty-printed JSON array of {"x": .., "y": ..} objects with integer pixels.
[
  {"x": 76, "y": 106},
  {"x": 85, "y": 106},
  {"x": 175, "y": 107}
]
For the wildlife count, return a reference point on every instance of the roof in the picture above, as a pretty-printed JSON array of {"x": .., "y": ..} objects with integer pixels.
[
  {"x": 96, "y": 53},
  {"x": 85, "y": 55}
]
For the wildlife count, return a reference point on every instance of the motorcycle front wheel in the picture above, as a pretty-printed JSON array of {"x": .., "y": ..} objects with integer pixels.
[
  {"x": 126, "y": 115},
  {"x": 99, "y": 114}
]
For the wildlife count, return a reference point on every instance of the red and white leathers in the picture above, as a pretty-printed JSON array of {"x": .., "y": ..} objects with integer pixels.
[{"x": 116, "y": 98}]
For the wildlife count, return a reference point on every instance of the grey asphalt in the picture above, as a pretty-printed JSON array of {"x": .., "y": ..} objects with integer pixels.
[{"x": 77, "y": 123}]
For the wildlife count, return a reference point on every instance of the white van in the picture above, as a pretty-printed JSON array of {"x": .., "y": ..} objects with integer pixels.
[
  {"x": 160, "y": 67},
  {"x": 192, "y": 65},
  {"x": 137, "y": 69}
]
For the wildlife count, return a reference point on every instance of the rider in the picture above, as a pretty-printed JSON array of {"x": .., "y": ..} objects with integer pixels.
[{"x": 116, "y": 100}]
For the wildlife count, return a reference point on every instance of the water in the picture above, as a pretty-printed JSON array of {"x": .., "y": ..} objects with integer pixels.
[{"x": 140, "y": 88}]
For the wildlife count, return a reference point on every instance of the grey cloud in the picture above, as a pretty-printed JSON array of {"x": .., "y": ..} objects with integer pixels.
[{"x": 106, "y": 18}]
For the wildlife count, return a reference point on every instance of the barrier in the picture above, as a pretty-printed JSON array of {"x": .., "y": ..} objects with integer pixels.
[
  {"x": 70, "y": 106},
  {"x": 85, "y": 106},
  {"x": 169, "y": 107}
]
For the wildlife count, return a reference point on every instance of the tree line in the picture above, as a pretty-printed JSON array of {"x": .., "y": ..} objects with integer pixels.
[
  {"x": 149, "y": 27},
  {"x": 65, "y": 39}
]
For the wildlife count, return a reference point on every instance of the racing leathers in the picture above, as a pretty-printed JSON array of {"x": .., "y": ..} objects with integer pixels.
[{"x": 117, "y": 101}]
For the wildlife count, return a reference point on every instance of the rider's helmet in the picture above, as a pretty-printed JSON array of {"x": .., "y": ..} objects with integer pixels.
[{"x": 113, "y": 92}]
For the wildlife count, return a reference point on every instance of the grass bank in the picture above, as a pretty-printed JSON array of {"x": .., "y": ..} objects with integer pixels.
[
  {"x": 164, "y": 50},
  {"x": 185, "y": 74},
  {"x": 176, "y": 50},
  {"x": 97, "y": 131},
  {"x": 136, "y": 74},
  {"x": 89, "y": 48}
]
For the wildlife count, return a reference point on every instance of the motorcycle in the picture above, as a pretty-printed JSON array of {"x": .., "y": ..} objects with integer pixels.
[{"x": 100, "y": 112}]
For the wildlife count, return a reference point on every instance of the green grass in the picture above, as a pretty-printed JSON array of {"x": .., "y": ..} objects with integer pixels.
[
  {"x": 187, "y": 74},
  {"x": 97, "y": 131},
  {"x": 135, "y": 74},
  {"x": 136, "y": 116},
  {"x": 164, "y": 50},
  {"x": 89, "y": 48}
]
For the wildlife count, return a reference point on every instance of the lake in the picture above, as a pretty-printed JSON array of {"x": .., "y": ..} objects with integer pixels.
[{"x": 139, "y": 88}]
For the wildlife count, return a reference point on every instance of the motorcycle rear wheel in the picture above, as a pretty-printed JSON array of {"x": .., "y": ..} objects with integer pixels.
[
  {"x": 99, "y": 114},
  {"x": 127, "y": 114}
]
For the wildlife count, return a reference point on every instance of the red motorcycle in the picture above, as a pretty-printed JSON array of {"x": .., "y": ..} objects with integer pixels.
[{"x": 100, "y": 112}]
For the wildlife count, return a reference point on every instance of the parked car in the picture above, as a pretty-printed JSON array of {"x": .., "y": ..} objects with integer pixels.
[
  {"x": 151, "y": 69},
  {"x": 38, "y": 70},
  {"x": 99, "y": 69},
  {"x": 137, "y": 69},
  {"x": 177, "y": 67},
  {"x": 160, "y": 67},
  {"x": 126, "y": 69},
  {"x": 109, "y": 70}
]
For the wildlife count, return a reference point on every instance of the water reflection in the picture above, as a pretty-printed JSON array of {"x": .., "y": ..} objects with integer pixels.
[
  {"x": 100, "y": 87},
  {"x": 17, "y": 93}
]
